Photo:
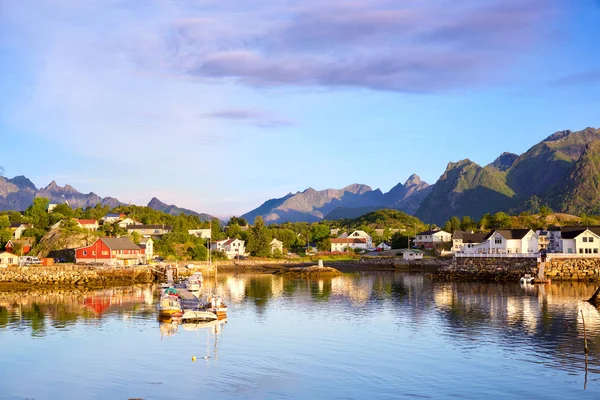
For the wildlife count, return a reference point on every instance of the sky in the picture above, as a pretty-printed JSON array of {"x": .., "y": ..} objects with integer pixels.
[{"x": 219, "y": 105}]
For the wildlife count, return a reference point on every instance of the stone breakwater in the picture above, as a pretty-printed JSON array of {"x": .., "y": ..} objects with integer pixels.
[
  {"x": 75, "y": 275},
  {"x": 488, "y": 269},
  {"x": 573, "y": 269}
]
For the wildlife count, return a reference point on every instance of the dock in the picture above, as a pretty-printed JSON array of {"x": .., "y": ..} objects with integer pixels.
[{"x": 188, "y": 300}]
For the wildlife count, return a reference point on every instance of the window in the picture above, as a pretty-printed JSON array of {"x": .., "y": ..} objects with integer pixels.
[
  {"x": 584, "y": 240},
  {"x": 85, "y": 253},
  {"x": 104, "y": 252},
  {"x": 498, "y": 241},
  {"x": 595, "y": 251},
  {"x": 570, "y": 250},
  {"x": 591, "y": 239},
  {"x": 580, "y": 251},
  {"x": 93, "y": 253}
]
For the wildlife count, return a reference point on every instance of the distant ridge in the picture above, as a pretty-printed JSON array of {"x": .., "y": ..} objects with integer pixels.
[{"x": 158, "y": 205}]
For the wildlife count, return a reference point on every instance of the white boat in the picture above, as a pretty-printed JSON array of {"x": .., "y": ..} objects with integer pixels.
[
  {"x": 214, "y": 303},
  {"x": 198, "y": 315},
  {"x": 194, "y": 282}
]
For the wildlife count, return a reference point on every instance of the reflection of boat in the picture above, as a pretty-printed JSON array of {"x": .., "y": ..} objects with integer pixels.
[
  {"x": 527, "y": 279},
  {"x": 216, "y": 325},
  {"x": 194, "y": 282},
  {"x": 198, "y": 315},
  {"x": 169, "y": 304}
]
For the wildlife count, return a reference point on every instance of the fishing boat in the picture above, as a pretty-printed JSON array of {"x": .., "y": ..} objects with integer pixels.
[
  {"x": 214, "y": 304},
  {"x": 194, "y": 282},
  {"x": 169, "y": 304}
]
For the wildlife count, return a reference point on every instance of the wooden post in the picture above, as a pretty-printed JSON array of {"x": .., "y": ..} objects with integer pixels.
[{"x": 585, "y": 346}]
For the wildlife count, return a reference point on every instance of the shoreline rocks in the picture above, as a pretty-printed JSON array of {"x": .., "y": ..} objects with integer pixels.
[{"x": 309, "y": 272}]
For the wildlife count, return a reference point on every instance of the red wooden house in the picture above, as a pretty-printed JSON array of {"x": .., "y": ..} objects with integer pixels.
[
  {"x": 25, "y": 246},
  {"x": 112, "y": 251}
]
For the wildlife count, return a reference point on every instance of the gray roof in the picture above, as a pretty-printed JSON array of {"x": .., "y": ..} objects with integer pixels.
[
  {"x": 120, "y": 243},
  {"x": 510, "y": 233},
  {"x": 155, "y": 226}
]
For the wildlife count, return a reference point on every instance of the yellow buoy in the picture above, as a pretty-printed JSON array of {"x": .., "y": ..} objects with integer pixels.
[{"x": 193, "y": 358}]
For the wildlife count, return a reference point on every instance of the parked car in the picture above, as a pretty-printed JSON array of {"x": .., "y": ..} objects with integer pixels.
[{"x": 27, "y": 260}]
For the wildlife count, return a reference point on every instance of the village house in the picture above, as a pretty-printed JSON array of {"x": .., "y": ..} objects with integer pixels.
[
  {"x": 344, "y": 244},
  {"x": 411, "y": 254},
  {"x": 466, "y": 239},
  {"x": 124, "y": 223},
  {"x": 201, "y": 233},
  {"x": 147, "y": 244},
  {"x": 384, "y": 246},
  {"x": 543, "y": 239},
  {"x": 112, "y": 218},
  {"x": 19, "y": 246},
  {"x": 7, "y": 259},
  {"x": 276, "y": 245},
  {"x": 111, "y": 251},
  {"x": 231, "y": 247},
  {"x": 580, "y": 240},
  {"x": 150, "y": 230},
  {"x": 17, "y": 229},
  {"x": 506, "y": 241},
  {"x": 432, "y": 238},
  {"x": 89, "y": 224}
]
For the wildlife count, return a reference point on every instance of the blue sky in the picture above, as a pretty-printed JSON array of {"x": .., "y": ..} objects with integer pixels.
[{"x": 218, "y": 105}]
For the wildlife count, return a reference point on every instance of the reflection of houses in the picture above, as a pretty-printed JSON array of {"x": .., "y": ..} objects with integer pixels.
[
  {"x": 432, "y": 238},
  {"x": 231, "y": 247},
  {"x": 506, "y": 241},
  {"x": 465, "y": 240},
  {"x": 7, "y": 258},
  {"x": 276, "y": 245},
  {"x": 21, "y": 246},
  {"x": 112, "y": 251},
  {"x": 150, "y": 230},
  {"x": 201, "y": 233}
]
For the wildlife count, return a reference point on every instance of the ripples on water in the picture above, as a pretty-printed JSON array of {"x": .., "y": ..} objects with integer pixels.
[{"x": 369, "y": 335}]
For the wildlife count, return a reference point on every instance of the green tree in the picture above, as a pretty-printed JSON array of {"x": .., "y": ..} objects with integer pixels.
[
  {"x": 545, "y": 211},
  {"x": 4, "y": 222},
  {"x": 467, "y": 223},
  {"x": 452, "y": 225},
  {"x": 38, "y": 212},
  {"x": 5, "y": 236},
  {"x": 319, "y": 232},
  {"x": 399, "y": 241},
  {"x": 501, "y": 220},
  {"x": 324, "y": 244},
  {"x": 15, "y": 217},
  {"x": 259, "y": 239},
  {"x": 64, "y": 210}
]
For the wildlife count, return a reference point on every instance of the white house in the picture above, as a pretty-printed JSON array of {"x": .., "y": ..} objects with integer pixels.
[
  {"x": 124, "y": 223},
  {"x": 358, "y": 234},
  {"x": 276, "y": 245},
  {"x": 231, "y": 247},
  {"x": 466, "y": 239},
  {"x": 543, "y": 239},
  {"x": 343, "y": 244},
  {"x": 507, "y": 241},
  {"x": 17, "y": 229},
  {"x": 580, "y": 240},
  {"x": 430, "y": 239},
  {"x": 147, "y": 244},
  {"x": 411, "y": 254},
  {"x": 383, "y": 246},
  {"x": 201, "y": 233},
  {"x": 112, "y": 218},
  {"x": 146, "y": 231},
  {"x": 89, "y": 224},
  {"x": 7, "y": 259}
]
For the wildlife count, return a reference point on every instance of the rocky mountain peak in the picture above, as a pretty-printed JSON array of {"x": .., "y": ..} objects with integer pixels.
[
  {"x": 558, "y": 135},
  {"x": 413, "y": 180},
  {"x": 155, "y": 203},
  {"x": 357, "y": 188},
  {"x": 22, "y": 183},
  {"x": 504, "y": 161}
]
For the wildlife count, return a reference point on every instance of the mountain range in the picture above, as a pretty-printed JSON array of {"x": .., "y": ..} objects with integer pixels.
[
  {"x": 18, "y": 194},
  {"x": 562, "y": 171}
]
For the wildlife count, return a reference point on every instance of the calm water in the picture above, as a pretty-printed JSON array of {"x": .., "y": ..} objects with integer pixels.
[{"x": 360, "y": 336}]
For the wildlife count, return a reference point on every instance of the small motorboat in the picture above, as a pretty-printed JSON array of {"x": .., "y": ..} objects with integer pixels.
[
  {"x": 527, "y": 279},
  {"x": 194, "y": 282},
  {"x": 215, "y": 304},
  {"x": 169, "y": 304}
]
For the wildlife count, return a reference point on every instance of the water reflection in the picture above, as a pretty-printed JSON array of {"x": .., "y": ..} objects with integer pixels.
[{"x": 403, "y": 324}]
